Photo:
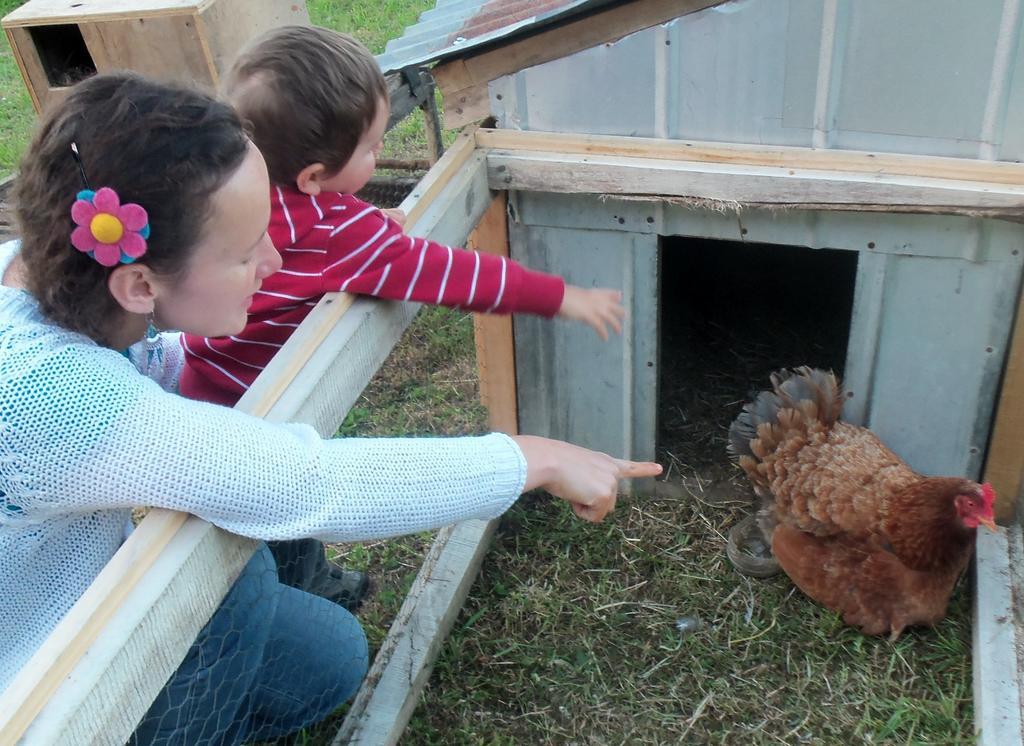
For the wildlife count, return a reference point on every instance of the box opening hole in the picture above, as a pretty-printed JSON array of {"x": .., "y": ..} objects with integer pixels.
[
  {"x": 731, "y": 313},
  {"x": 63, "y": 54}
]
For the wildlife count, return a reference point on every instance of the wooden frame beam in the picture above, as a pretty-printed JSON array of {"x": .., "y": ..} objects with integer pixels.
[
  {"x": 745, "y": 176},
  {"x": 463, "y": 82},
  {"x": 402, "y": 667},
  {"x": 1004, "y": 461}
]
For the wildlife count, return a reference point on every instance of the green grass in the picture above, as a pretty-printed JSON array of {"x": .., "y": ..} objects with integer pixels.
[{"x": 16, "y": 113}]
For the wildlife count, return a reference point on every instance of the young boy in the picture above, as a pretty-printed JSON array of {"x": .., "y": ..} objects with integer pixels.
[{"x": 317, "y": 106}]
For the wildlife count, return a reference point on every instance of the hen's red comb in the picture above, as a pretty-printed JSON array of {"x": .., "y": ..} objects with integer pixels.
[{"x": 988, "y": 495}]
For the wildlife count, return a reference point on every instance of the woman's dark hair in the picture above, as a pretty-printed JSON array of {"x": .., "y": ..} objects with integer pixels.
[
  {"x": 307, "y": 94},
  {"x": 165, "y": 147}
]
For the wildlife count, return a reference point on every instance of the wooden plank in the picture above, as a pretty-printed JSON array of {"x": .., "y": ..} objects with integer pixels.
[
  {"x": 32, "y": 72},
  {"x": 789, "y": 157},
  {"x": 468, "y": 76},
  {"x": 37, "y": 681},
  {"x": 997, "y": 696},
  {"x": 48, "y": 12},
  {"x": 1004, "y": 464},
  {"x": 432, "y": 125},
  {"x": 495, "y": 352},
  {"x": 225, "y": 26},
  {"x": 145, "y": 639},
  {"x": 138, "y": 657},
  {"x": 400, "y": 670},
  {"x": 723, "y": 185},
  {"x": 161, "y": 46},
  {"x": 402, "y": 96},
  {"x": 466, "y": 105},
  {"x": 438, "y": 177},
  {"x": 282, "y": 369}
]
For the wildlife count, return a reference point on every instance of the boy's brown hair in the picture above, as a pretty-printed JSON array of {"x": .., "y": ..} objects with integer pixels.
[{"x": 308, "y": 94}]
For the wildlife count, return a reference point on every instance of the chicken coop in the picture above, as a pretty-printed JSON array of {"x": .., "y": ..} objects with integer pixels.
[
  {"x": 679, "y": 162},
  {"x": 771, "y": 183}
]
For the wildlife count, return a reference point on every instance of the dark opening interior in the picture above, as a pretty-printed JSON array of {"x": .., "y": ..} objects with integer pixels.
[
  {"x": 731, "y": 313},
  {"x": 63, "y": 54}
]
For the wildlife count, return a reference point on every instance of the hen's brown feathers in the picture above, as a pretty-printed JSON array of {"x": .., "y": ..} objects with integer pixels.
[
  {"x": 872, "y": 590},
  {"x": 852, "y": 525}
]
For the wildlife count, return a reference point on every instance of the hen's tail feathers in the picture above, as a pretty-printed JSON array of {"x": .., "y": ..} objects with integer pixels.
[{"x": 813, "y": 393}]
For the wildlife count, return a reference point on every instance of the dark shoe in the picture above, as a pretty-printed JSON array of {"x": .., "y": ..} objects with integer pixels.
[{"x": 346, "y": 588}]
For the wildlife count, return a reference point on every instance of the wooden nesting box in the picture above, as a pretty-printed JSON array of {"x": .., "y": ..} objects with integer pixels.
[{"x": 59, "y": 42}]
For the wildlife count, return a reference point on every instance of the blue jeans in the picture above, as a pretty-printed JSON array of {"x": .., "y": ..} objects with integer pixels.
[{"x": 271, "y": 660}]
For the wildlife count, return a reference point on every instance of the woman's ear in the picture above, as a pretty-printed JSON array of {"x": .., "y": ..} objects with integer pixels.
[
  {"x": 133, "y": 288},
  {"x": 308, "y": 180}
]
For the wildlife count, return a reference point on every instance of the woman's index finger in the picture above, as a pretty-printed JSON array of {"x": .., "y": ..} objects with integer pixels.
[{"x": 635, "y": 469}]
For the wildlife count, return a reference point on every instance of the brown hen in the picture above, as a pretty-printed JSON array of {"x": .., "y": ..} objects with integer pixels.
[{"x": 852, "y": 525}]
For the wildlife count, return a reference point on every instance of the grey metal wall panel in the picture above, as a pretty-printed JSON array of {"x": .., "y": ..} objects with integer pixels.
[
  {"x": 948, "y": 236},
  {"x": 571, "y": 385},
  {"x": 1011, "y": 128},
  {"x": 939, "y": 77},
  {"x": 929, "y": 364},
  {"x": 715, "y": 75},
  {"x": 933, "y": 306},
  {"x": 803, "y": 58},
  {"x": 728, "y": 78},
  {"x": 914, "y": 69},
  {"x": 935, "y": 295},
  {"x": 592, "y": 91}
]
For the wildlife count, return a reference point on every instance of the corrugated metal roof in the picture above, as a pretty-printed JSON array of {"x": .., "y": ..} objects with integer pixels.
[{"x": 453, "y": 26}]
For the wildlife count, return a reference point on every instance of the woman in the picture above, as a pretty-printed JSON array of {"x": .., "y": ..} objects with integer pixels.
[{"x": 144, "y": 205}]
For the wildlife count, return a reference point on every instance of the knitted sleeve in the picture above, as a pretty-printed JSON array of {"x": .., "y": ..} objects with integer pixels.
[
  {"x": 86, "y": 433},
  {"x": 369, "y": 254}
]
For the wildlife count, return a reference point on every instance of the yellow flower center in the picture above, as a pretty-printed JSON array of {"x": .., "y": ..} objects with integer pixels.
[{"x": 106, "y": 228}]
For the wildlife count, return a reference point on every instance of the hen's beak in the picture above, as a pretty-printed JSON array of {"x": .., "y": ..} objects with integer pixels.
[{"x": 989, "y": 524}]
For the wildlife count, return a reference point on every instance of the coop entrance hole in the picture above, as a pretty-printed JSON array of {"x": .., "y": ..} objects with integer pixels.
[
  {"x": 63, "y": 54},
  {"x": 731, "y": 313}
]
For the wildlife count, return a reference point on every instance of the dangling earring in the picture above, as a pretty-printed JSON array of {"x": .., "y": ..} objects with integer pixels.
[
  {"x": 152, "y": 330},
  {"x": 153, "y": 346}
]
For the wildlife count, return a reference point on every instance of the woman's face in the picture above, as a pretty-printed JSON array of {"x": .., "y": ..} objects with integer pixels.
[{"x": 229, "y": 264}]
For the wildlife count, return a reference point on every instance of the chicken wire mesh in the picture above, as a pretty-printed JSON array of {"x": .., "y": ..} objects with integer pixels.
[{"x": 274, "y": 658}]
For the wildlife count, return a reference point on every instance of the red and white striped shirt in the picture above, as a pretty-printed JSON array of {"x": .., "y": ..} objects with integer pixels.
[{"x": 338, "y": 242}]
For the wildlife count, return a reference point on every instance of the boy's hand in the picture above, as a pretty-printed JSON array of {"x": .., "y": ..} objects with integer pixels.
[
  {"x": 598, "y": 308},
  {"x": 395, "y": 214}
]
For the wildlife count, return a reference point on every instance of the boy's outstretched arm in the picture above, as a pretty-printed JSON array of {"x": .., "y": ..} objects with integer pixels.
[
  {"x": 395, "y": 214},
  {"x": 599, "y": 308}
]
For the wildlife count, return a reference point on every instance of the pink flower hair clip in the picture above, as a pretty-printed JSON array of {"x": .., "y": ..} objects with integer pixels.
[{"x": 106, "y": 230}]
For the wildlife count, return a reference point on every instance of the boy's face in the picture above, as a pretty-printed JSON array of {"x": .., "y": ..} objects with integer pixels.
[{"x": 353, "y": 175}]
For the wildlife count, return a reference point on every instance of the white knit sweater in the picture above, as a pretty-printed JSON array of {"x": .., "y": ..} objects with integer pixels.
[{"x": 84, "y": 438}]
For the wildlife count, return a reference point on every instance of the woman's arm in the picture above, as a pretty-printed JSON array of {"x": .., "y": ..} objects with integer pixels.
[
  {"x": 93, "y": 434},
  {"x": 587, "y": 479}
]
